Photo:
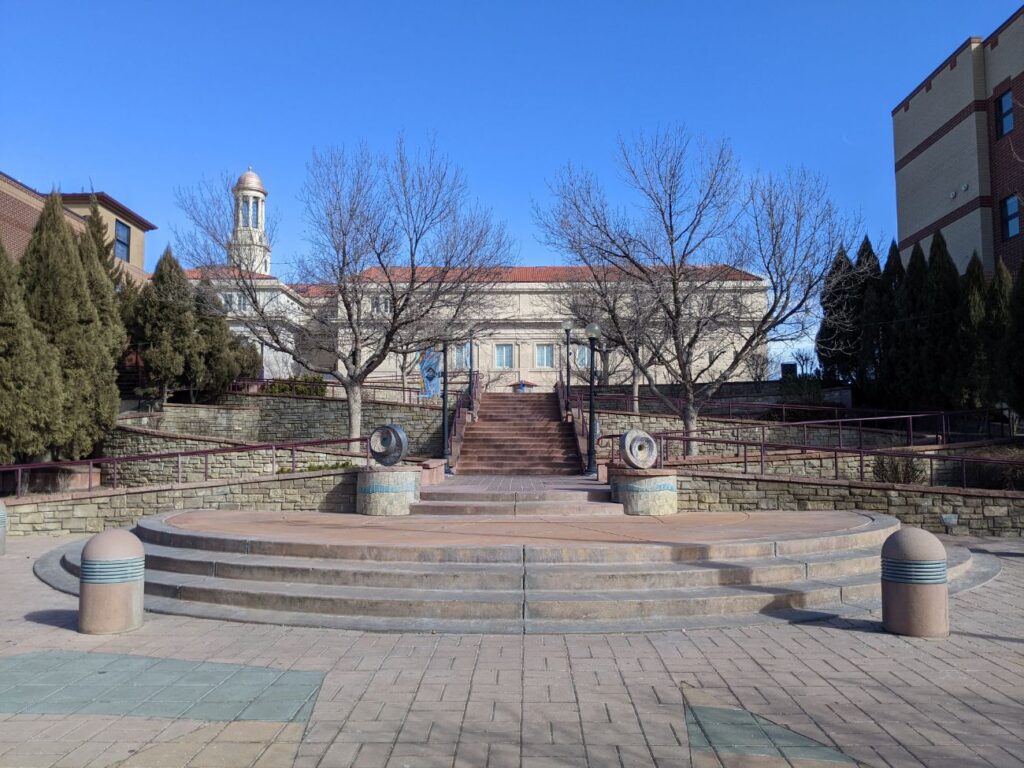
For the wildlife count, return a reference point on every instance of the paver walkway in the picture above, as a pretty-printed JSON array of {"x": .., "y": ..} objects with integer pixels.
[{"x": 532, "y": 701}]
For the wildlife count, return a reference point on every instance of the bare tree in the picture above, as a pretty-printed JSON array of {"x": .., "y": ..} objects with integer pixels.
[
  {"x": 399, "y": 260},
  {"x": 761, "y": 366},
  {"x": 804, "y": 359},
  {"x": 704, "y": 268}
]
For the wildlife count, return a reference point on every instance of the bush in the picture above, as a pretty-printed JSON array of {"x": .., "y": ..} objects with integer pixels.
[
  {"x": 895, "y": 469},
  {"x": 308, "y": 385}
]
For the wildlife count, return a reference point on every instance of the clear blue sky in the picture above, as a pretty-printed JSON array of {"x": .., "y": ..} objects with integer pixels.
[{"x": 137, "y": 98}]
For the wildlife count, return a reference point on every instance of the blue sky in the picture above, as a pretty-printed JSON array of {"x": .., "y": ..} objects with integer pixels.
[{"x": 136, "y": 99}]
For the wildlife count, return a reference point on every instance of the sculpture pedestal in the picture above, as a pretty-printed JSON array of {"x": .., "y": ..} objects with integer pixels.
[
  {"x": 644, "y": 491},
  {"x": 387, "y": 490}
]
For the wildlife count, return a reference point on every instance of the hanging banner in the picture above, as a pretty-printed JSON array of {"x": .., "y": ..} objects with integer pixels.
[{"x": 430, "y": 370}]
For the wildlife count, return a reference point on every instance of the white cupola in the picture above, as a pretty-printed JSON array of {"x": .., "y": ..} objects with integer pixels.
[{"x": 249, "y": 248}]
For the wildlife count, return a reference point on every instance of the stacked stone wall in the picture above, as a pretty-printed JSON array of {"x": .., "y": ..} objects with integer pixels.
[
  {"x": 90, "y": 512},
  {"x": 981, "y": 512}
]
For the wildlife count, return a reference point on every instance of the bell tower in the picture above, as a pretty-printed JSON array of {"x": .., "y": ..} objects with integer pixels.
[{"x": 249, "y": 249}]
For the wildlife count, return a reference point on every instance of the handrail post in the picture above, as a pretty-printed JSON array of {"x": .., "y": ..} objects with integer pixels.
[
  {"x": 293, "y": 458},
  {"x": 861, "y": 455},
  {"x": 206, "y": 466},
  {"x": 744, "y": 458},
  {"x": 910, "y": 431},
  {"x": 90, "y": 475},
  {"x": 840, "y": 434},
  {"x": 17, "y": 482},
  {"x": 273, "y": 459},
  {"x": 963, "y": 472},
  {"x": 179, "y": 467},
  {"x": 836, "y": 470},
  {"x": 762, "y": 457}
]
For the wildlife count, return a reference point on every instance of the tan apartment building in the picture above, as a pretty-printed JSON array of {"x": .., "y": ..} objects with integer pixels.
[
  {"x": 20, "y": 206},
  {"x": 958, "y": 141}
]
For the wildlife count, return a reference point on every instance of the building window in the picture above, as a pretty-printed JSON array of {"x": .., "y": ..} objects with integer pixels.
[
  {"x": 1009, "y": 212},
  {"x": 255, "y": 213},
  {"x": 245, "y": 211},
  {"x": 545, "y": 355},
  {"x": 503, "y": 356},
  {"x": 1004, "y": 114},
  {"x": 462, "y": 357},
  {"x": 582, "y": 356},
  {"x": 122, "y": 240}
]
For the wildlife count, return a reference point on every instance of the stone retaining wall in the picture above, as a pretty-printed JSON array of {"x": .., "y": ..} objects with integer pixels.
[
  {"x": 982, "y": 512},
  {"x": 90, "y": 512}
]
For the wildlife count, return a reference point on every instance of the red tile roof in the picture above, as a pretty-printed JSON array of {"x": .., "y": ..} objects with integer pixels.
[
  {"x": 223, "y": 273},
  {"x": 566, "y": 274},
  {"x": 313, "y": 291}
]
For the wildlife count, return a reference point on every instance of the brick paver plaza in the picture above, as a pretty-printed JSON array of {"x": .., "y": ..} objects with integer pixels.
[{"x": 202, "y": 693}]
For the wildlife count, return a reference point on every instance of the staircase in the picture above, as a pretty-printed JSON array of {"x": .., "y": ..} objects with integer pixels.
[{"x": 519, "y": 434}]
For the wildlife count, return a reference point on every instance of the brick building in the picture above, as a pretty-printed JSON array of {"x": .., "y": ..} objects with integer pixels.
[
  {"x": 959, "y": 147},
  {"x": 20, "y": 206}
]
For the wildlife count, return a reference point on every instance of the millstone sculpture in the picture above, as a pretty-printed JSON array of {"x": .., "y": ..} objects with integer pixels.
[
  {"x": 389, "y": 444},
  {"x": 638, "y": 449}
]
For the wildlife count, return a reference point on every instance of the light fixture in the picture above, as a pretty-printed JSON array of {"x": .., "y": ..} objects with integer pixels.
[
  {"x": 567, "y": 325},
  {"x": 593, "y": 331}
]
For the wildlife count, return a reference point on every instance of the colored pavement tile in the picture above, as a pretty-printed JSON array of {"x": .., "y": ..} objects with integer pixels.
[{"x": 66, "y": 682}]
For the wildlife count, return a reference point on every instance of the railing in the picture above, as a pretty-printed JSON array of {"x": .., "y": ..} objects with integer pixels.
[
  {"x": 114, "y": 464},
  {"x": 759, "y": 454},
  {"x": 373, "y": 391},
  {"x": 463, "y": 405}
]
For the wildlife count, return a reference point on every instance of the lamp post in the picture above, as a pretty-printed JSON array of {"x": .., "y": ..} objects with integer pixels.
[
  {"x": 444, "y": 408},
  {"x": 567, "y": 327},
  {"x": 593, "y": 333},
  {"x": 470, "y": 385}
]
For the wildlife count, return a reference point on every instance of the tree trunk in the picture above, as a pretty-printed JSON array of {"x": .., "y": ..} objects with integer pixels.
[
  {"x": 636, "y": 390},
  {"x": 401, "y": 369},
  {"x": 354, "y": 394},
  {"x": 690, "y": 425}
]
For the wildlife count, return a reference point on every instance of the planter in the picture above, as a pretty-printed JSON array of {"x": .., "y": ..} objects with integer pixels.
[
  {"x": 644, "y": 491},
  {"x": 387, "y": 491}
]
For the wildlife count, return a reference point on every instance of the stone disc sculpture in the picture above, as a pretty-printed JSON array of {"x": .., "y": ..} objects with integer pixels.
[
  {"x": 639, "y": 450},
  {"x": 389, "y": 444}
]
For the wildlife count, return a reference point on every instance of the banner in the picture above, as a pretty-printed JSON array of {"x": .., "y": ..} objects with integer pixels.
[{"x": 430, "y": 370}]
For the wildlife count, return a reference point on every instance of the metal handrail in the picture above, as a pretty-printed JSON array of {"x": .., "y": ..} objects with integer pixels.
[
  {"x": 116, "y": 461},
  {"x": 763, "y": 454}
]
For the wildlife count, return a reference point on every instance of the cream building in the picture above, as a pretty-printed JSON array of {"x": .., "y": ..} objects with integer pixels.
[{"x": 958, "y": 140}]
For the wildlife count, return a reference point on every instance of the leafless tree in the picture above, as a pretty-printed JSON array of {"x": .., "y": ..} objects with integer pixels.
[
  {"x": 399, "y": 260},
  {"x": 703, "y": 268},
  {"x": 804, "y": 359},
  {"x": 761, "y": 366}
]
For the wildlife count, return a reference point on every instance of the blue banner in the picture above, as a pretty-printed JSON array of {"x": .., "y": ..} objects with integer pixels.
[{"x": 430, "y": 370}]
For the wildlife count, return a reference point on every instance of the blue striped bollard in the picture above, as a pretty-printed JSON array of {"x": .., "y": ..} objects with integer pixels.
[
  {"x": 644, "y": 491},
  {"x": 111, "y": 583},
  {"x": 387, "y": 490},
  {"x": 915, "y": 584}
]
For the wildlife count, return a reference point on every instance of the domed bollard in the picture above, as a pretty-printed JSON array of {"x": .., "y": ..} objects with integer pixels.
[
  {"x": 3, "y": 528},
  {"x": 111, "y": 583},
  {"x": 388, "y": 489},
  {"x": 915, "y": 587},
  {"x": 645, "y": 491}
]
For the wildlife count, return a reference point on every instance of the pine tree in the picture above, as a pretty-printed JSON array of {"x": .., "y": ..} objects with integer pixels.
[
  {"x": 101, "y": 291},
  {"x": 57, "y": 299},
  {"x": 971, "y": 364},
  {"x": 214, "y": 365},
  {"x": 868, "y": 326},
  {"x": 942, "y": 291},
  {"x": 96, "y": 229},
  {"x": 835, "y": 344},
  {"x": 1014, "y": 359},
  {"x": 166, "y": 325},
  {"x": 31, "y": 397},
  {"x": 907, "y": 350},
  {"x": 997, "y": 329},
  {"x": 891, "y": 285}
]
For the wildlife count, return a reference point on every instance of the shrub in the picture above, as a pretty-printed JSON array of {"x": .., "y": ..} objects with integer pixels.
[
  {"x": 308, "y": 384},
  {"x": 896, "y": 469}
]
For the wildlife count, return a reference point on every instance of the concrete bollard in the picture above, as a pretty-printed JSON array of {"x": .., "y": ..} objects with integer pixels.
[
  {"x": 387, "y": 490},
  {"x": 3, "y": 528},
  {"x": 915, "y": 587},
  {"x": 644, "y": 491},
  {"x": 111, "y": 584}
]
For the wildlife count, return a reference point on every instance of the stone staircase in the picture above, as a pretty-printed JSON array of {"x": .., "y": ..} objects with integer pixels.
[{"x": 519, "y": 434}]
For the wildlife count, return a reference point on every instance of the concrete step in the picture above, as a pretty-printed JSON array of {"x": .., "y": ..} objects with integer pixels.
[
  {"x": 530, "y": 471},
  {"x": 441, "y": 493},
  {"x": 517, "y": 508}
]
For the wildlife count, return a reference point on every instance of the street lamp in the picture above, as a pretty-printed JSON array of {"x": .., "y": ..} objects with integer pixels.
[
  {"x": 470, "y": 385},
  {"x": 444, "y": 408},
  {"x": 567, "y": 327},
  {"x": 593, "y": 333}
]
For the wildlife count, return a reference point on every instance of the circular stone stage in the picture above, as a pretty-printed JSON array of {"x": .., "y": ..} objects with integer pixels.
[{"x": 554, "y": 559}]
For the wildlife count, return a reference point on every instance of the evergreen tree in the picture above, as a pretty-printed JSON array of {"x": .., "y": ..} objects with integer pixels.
[
  {"x": 942, "y": 291},
  {"x": 886, "y": 392},
  {"x": 247, "y": 356},
  {"x": 31, "y": 397},
  {"x": 213, "y": 365},
  {"x": 907, "y": 350},
  {"x": 57, "y": 299},
  {"x": 96, "y": 230},
  {"x": 165, "y": 325},
  {"x": 971, "y": 364},
  {"x": 1014, "y": 359},
  {"x": 868, "y": 326},
  {"x": 101, "y": 291},
  {"x": 997, "y": 329},
  {"x": 836, "y": 344}
]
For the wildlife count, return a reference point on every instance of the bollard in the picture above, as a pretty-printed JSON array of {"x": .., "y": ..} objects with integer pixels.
[
  {"x": 915, "y": 587},
  {"x": 387, "y": 490},
  {"x": 3, "y": 528},
  {"x": 644, "y": 491},
  {"x": 111, "y": 583}
]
